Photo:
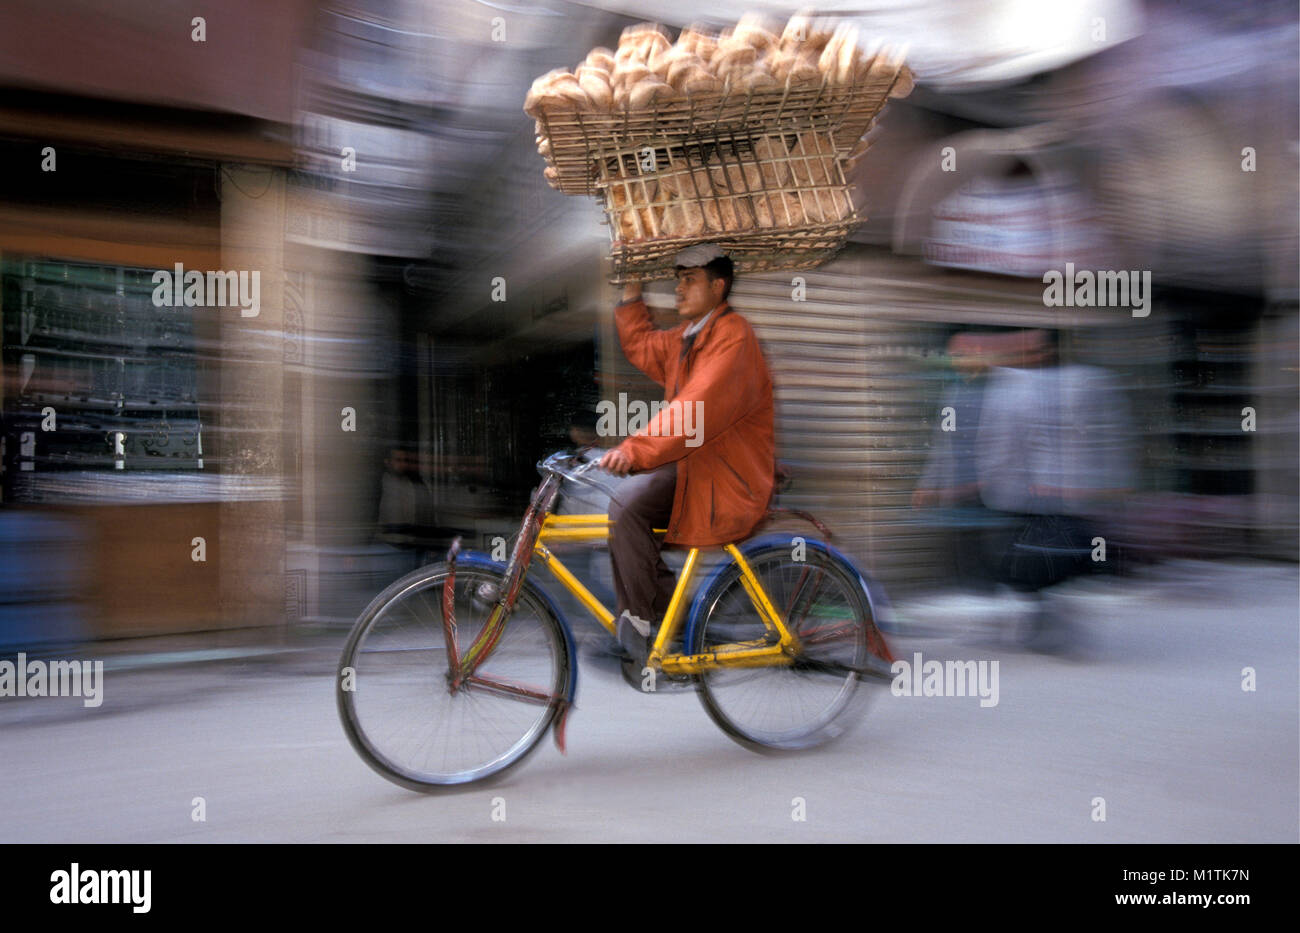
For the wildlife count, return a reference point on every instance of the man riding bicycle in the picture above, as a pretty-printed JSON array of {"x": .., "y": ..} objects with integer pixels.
[{"x": 709, "y": 482}]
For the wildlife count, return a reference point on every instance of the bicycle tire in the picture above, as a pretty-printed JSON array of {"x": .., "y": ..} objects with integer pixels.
[
  {"x": 766, "y": 708},
  {"x": 390, "y": 682}
]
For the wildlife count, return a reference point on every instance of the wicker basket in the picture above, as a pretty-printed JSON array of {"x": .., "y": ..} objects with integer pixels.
[
  {"x": 575, "y": 140},
  {"x": 758, "y": 172},
  {"x": 772, "y": 201}
]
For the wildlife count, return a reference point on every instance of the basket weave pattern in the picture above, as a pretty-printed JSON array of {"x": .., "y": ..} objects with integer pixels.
[
  {"x": 575, "y": 139},
  {"x": 760, "y": 173},
  {"x": 773, "y": 201}
]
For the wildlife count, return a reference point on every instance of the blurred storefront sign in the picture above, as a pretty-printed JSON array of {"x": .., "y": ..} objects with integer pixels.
[{"x": 1014, "y": 225}]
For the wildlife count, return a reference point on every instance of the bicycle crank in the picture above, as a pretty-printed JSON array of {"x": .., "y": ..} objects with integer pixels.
[{"x": 875, "y": 667}]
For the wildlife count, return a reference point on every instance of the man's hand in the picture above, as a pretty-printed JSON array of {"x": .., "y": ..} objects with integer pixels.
[
  {"x": 617, "y": 462},
  {"x": 631, "y": 291}
]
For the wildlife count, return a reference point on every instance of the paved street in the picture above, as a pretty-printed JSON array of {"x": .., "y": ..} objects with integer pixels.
[{"x": 1156, "y": 722}]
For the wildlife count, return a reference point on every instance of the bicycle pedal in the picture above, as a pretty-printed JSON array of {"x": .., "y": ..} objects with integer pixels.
[{"x": 645, "y": 679}]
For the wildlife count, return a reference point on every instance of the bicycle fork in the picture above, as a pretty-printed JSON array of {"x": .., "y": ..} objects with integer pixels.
[{"x": 464, "y": 670}]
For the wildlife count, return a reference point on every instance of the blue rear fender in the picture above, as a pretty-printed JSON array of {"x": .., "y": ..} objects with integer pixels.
[
  {"x": 881, "y": 611},
  {"x": 480, "y": 561}
]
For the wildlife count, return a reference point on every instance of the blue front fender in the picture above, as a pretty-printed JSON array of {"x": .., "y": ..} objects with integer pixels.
[{"x": 481, "y": 561}]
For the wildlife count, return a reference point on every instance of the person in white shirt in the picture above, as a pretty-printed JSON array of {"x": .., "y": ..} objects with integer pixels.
[{"x": 1054, "y": 452}]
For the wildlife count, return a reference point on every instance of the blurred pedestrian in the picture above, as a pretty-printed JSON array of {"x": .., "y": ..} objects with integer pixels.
[
  {"x": 949, "y": 485},
  {"x": 1052, "y": 453},
  {"x": 406, "y": 506}
]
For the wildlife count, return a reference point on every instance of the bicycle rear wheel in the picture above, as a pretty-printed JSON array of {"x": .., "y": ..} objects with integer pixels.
[
  {"x": 394, "y": 689},
  {"x": 805, "y": 703}
]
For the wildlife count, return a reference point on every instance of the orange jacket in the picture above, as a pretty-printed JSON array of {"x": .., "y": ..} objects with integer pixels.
[{"x": 717, "y": 426}]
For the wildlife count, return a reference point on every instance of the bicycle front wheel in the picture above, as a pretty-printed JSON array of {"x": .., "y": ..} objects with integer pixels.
[
  {"x": 804, "y": 703},
  {"x": 395, "y": 693}
]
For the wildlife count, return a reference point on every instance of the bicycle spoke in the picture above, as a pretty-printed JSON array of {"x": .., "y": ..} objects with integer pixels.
[
  {"x": 794, "y": 620},
  {"x": 787, "y": 706},
  {"x": 405, "y": 717}
]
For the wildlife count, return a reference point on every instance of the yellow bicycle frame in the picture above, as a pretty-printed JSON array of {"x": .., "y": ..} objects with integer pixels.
[{"x": 756, "y": 653}]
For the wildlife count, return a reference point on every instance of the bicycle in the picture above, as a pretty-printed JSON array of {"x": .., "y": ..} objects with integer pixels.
[{"x": 776, "y": 641}]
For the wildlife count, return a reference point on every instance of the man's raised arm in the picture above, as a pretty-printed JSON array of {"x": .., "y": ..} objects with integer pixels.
[{"x": 645, "y": 346}]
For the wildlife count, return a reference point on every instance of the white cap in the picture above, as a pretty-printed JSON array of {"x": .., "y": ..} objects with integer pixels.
[{"x": 700, "y": 254}]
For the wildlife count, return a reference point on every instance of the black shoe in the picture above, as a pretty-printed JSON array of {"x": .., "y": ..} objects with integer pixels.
[{"x": 643, "y": 680}]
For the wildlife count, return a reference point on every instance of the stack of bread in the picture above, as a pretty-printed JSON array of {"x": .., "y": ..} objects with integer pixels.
[
  {"x": 649, "y": 69},
  {"x": 753, "y": 76},
  {"x": 776, "y": 181},
  {"x": 738, "y": 137}
]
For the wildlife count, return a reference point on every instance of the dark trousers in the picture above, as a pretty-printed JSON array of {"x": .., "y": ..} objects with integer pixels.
[
  {"x": 1037, "y": 551},
  {"x": 643, "y": 583}
]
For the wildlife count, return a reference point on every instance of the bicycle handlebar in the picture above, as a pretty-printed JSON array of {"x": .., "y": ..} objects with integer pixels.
[{"x": 578, "y": 474}]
